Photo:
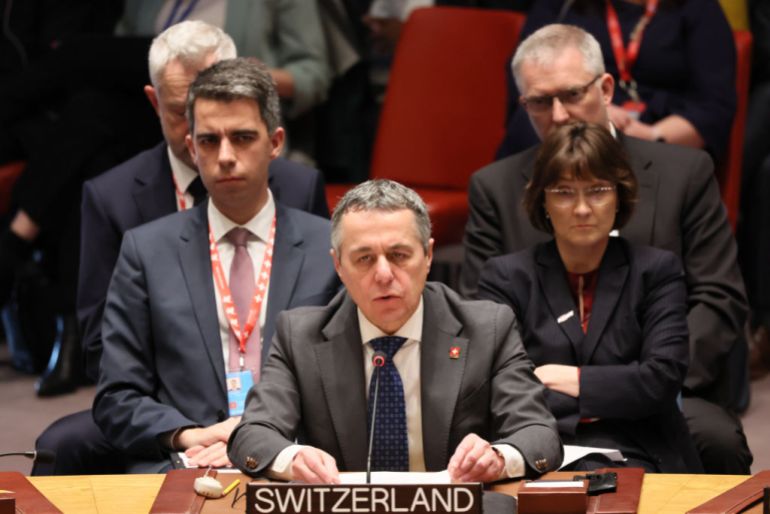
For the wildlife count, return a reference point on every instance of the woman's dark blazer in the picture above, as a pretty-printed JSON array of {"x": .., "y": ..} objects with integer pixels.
[{"x": 632, "y": 360}]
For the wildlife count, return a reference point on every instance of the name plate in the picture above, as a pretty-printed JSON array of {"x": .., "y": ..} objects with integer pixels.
[
  {"x": 553, "y": 497},
  {"x": 264, "y": 498}
]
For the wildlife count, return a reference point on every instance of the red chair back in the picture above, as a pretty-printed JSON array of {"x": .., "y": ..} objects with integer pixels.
[
  {"x": 729, "y": 169},
  {"x": 9, "y": 174},
  {"x": 444, "y": 109}
]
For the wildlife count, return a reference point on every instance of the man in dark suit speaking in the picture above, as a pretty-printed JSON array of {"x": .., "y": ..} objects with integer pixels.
[
  {"x": 191, "y": 305},
  {"x": 457, "y": 390},
  {"x": 560, "y": 72}
]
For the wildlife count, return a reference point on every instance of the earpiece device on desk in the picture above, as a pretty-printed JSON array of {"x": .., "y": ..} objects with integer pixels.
[{"x": 208, "y": 486}]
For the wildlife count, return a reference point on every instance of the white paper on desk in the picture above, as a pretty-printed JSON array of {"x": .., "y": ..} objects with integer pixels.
[
  {"x": 573, "y": 453},
  {"x": 393, "y": 477}
]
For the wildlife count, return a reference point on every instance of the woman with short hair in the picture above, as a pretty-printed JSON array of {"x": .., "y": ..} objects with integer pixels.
[{"x": 603, "y": 321}]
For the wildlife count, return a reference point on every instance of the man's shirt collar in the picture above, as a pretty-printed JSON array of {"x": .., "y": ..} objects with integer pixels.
[
  {"x": 182, "y": 173},
  {"x": 259, "y": 225},
  {"x": 412, "y": 329}
]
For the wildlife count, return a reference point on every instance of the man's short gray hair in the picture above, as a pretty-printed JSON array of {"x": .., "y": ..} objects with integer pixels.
[
  {"x": 236, "y": 79},
  {"x": 382, "y": 195},
  {"x": 191, "y": 43},
  {"x": 544, "y": 45}
]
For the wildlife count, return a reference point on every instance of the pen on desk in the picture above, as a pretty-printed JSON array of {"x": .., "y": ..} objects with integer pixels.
[{"x": 230, "y": 487}]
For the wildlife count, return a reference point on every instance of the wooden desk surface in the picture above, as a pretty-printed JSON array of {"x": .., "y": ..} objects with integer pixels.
[
  {"x": 100, "y": 494},
  {"x": 128, "y": 494}
]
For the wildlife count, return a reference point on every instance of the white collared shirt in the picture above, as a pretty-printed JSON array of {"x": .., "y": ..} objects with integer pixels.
[
  {"x": 259, "y": 228},
  {"x": 183, "y": 177}
]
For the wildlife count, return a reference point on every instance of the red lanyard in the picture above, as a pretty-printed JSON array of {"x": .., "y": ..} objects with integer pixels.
[
  {"x": 180, "y": 200},
  {"x": 224, "y": 289},
  {"x": 626, "y": 57}
]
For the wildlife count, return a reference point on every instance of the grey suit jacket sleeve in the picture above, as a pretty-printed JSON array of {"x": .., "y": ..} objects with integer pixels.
[
  {"x": 716, "y": 295},
  {"x": 125, "y": 407},
  {"x": 517, "y": 410},
  {"x": 273, "y": 409}
]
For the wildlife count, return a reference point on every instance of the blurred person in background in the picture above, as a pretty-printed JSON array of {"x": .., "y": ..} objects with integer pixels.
[
  {"x": 286, "y": 35},
  {"x": 754, "y": 220},
  {"x": 72, "y": 107},
  {"x": 672, "y": 60}
]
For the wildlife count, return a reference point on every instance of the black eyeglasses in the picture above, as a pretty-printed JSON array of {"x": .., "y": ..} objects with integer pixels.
[{"x": 544, "y": 103}]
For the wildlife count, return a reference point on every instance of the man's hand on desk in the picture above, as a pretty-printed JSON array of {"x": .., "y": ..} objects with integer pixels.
[
  {"x": 475, "y": 460},
  {"x": 314, "y": 466},
  {"x": 205, "y": 456},
  {"x": 207, "y": 446}
]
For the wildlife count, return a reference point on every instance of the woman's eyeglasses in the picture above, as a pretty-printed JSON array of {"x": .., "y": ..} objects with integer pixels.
[{"x": 567, "y": 197}]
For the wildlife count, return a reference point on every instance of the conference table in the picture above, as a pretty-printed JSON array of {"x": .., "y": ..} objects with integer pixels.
[{"x": 127, "y": 494}]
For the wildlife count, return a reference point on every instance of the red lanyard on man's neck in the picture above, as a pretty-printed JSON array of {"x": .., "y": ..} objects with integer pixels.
[
  {"x": 263, "y": 278},
  {"x": 626, "y": 57}
]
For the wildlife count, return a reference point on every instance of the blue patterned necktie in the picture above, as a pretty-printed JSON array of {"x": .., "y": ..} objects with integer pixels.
[{"x": 390, "y": 451}]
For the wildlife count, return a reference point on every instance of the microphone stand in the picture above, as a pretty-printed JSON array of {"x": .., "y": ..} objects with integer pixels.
[{"x": 374, "y": 418}]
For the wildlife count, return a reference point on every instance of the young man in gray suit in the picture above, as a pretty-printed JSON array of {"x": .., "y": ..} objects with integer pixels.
[
  {"x": 457, "y": 390},
  {"x": 560, "y": 72},
  {"x": 180, "y": 332}
]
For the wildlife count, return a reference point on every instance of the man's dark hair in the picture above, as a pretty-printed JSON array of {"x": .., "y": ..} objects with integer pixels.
[{"x": 235, "y": 79}]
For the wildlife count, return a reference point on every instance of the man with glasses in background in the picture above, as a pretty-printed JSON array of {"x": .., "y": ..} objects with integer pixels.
[{"x": 560, "y": 72}]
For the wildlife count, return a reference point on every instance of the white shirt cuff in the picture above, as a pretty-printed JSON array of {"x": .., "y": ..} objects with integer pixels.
[
  {"x": 514, "y": 461},
  {"x": 281, "y": 467}
]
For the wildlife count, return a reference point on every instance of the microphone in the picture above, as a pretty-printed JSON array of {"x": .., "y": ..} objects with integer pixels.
[
  {"x": 42, "y": 456},
  {"x": 378, "y": 361}
]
